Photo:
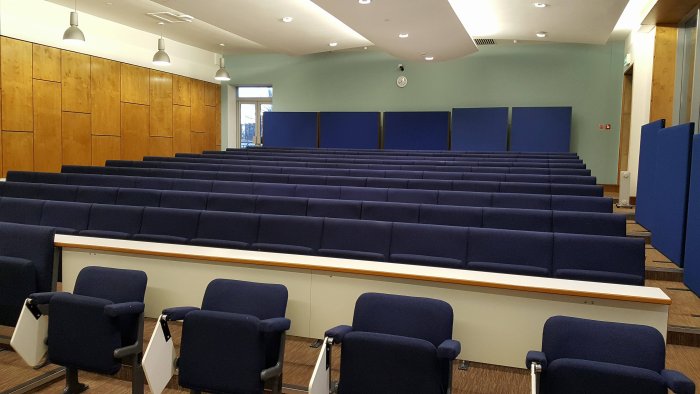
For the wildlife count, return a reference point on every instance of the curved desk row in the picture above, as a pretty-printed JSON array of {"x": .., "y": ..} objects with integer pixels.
[{"x": 498, "y": 317}]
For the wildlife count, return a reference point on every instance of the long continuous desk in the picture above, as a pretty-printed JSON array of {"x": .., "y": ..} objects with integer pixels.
[{"x": 498, "y": 317}]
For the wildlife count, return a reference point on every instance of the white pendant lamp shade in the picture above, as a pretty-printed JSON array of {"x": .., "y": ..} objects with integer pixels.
[
  {"x": 221, "y": 73},
  {"x": 73, "y": 34},
  {"x": 161, "y": 58}
]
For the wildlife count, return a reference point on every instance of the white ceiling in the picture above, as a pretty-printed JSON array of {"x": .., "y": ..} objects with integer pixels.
[{"x": 439, "y": 28}]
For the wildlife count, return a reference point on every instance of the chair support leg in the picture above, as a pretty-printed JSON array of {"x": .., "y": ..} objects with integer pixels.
[
  {"x": 73, "y": 386},
  {"x": 137, "y": 378}
]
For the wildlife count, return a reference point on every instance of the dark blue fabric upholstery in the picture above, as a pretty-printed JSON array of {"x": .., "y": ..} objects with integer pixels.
[
  {"x": 290, "y": 234},
  {"x": 390, "y": 212},
  {"x": 290, "y": 129},
  {"x": 525, "y": 201},
  {"x": 582, "y": 204},
  {"x": 671, "y": 182},
  {"x": 94, "y": 194},
  {"x": 317, "y": 192},
  {"x": 114, "y": 218},
  {"x": 416, "y": 130},
  {"x": 138, "y": 198},
  {"x": 441, "y": 246},
  {"x": 646, "y": 185},
  {"x": 586, "y": 356},
  {"x": 691, "y": 269},
  {"x": 451, "y": 215},
  {"x": 180, "y": 225},
  {"x": 413, "y": 196},
  {"x": 349, "y": 130},
  {"x": 21, "y": 211},
  {"x": 364, "y": 240},
  {"x": 224, "y": 229},
  {"x": 334, "y": 208},
  {"x": 183, "y": 200},
  {"x": 281, "y": 205},
  {"x": 540, "y": 129},
  {"x": 518, "y": 219},
  {"x": 599, "y": 258},
  {"x": 589, "y": 223},
  {"x": 231, "y": 203},
  {"x": 526, "y": 252},
  {"x": 17, "y": 281},
  {"x": 363, "y": 194},
  {"x": 228, "y": 343},
  {"x": 474, "y": 199},
  {"x": 480, "y": 129},
  {"x": 66, "y": 217}
]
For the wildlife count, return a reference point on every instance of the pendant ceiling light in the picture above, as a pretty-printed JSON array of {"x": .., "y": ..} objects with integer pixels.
[
  {"x": 161, "y": 58},
  {"x": 73, "y": 34},
  {"x": 221, "y": 73}
]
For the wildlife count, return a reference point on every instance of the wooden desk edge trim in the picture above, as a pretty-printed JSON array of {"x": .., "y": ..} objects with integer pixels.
[{"x": 476, "y": 283}]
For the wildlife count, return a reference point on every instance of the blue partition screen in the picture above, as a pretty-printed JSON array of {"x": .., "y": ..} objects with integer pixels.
[
  {"x": 540, "y": 129},
  {"x": 480, "y": 129},
  {"x": 691, "y": 269},
  {"x": 416, "y": 130},
  {"x": 644, "y": 213},
  {"x": 290, "y": 129},
  {"x": 671, "y": 190},
  {"x": 356, "y": 130}
]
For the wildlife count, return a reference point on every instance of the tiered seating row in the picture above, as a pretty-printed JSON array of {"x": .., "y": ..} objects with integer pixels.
[
  {"x": 395, "y": 152},
  {"x": 440, "y": 197},
  {"x": 468, "y": 176},
  {"x": 213, "y": 159},
  {"x": 429, "y": 184},
  {"x": 505, "y": 218},
  {"x": 571, "y": 256}
]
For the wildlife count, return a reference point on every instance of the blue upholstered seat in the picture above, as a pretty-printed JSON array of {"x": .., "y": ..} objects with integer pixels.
[
  {"x": 113, "y": 221},
  {"x": 581, "y": 356},
  {"x": 95, "y": 194},
  {"x": 518, "y": 219},
  {"x": 138, "y": 198},
  {"x": 65, "y": 217},
  {"x": 345, "y": 209},
  {"x": 235, "y": 342},
  {"x": 168, "y": 225},
  {"x": 352, "y": 239},
  {"x": 281, "y": 205},
  {"x": 226, "y": 230},
  {"x": 438, "y": 246},
  {"x": 289, "y": 234},
  {"x": 451, "y": 215},
  {"x": 510, "y": 251},
  {"x": 22, "y": 211},
  {"x": 183, "y": 200},
  {"x": 390, "y": 212},
  {"x": 231, "y": 202},
  {"x": 396, "y": 344}
]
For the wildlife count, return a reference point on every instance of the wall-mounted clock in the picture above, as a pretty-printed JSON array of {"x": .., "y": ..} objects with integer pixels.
[{"x": 401, "y": 81}]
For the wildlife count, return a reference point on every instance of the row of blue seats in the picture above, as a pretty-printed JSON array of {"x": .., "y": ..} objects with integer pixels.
[
  {"x": 404, "y": 153},
  {"x": 386, "y": 167},
  {"x": 398, "y": 183},
  {"x": 76, "y": 187},
  {"x": 250, "y": 153},
  {"x": 464, "y": 176},
  {"x": 569, "y": 256},
  {"x": 14, "y": 208},
  {"x": 489, "y": 163}
]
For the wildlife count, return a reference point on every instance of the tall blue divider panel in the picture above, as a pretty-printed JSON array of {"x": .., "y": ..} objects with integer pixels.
[
  {"x": 691, "y": 269},
  {"x": 356, "y": 130},
  {"x": 480, "y": 129},
  {"x": 416, "y": 130},
  {"x": 646, "y": 188},
  {"x": 290, "y": 129},
  {"x": 671, "y": 185},
  {"x": 540, "y": 129}
]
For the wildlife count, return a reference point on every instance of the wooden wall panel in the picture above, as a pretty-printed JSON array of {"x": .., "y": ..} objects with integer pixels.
[
  {"x": 161, "y": 104},
  {"x": 664, "y": 74},
  {"x": 105, "y": 91},
  {"x": 47, "y": 126},
  {"x": 135, "y": 81},
  {"x": 181, "y": 129},
  {"x": 198, "y": 142},
  {"x": 47, "y": 63},
  {"x": 197, "y": 100},
  {"x": 105, "y": 147},
  {"x": 16, "y": 82},
  {"x": 181, "y": 90},
  {"x": 211, "y": 94},
  {"x": 210, "y": 118},
  {"x": 134, "y": 142},
  {"x": 217, "y": 125},
  {"x": 160, "y": 146},
  {"x": 77, "y": 142},
  {"x": 17, "y": 151},
  {"x": 75, "y": 81}
]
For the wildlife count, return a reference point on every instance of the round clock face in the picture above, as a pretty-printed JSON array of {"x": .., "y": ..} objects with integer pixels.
[{"x": 401, "y": 81}]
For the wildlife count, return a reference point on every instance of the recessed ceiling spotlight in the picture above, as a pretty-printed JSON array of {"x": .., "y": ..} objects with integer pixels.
[
  {"x": 403, "y": 35},
  {"x": 540, "y": 5},
  {"x": 429, "y": 58},
  {"x": 222, "y": 44},
  {"x": 365, "y": 48},
  {"x": 287, "y": 19},
  {"x": 364, "y": 2},
  {"x": 541, "y": 34},
  {"x": 333, "y": 44}
]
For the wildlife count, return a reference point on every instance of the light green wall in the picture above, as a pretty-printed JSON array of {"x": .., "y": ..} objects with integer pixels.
[{"x": 586, "y": 77}]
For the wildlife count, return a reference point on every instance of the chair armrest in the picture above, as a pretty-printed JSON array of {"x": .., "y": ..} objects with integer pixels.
[
  {"x": 178, "y": 312},
  {"x": 449, "y": 349},
  {"x": 536, "y": 357},
  {"x": 124, "y": 308},
  {"x": 44, "y": 298},
  {"x": 337, "y": 333},
  {"x": 677, "y": 382},
  {"x": 276, "y": 324}
]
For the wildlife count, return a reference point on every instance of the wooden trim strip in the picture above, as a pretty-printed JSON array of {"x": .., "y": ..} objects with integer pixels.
[{"x": 360, "y": 271}]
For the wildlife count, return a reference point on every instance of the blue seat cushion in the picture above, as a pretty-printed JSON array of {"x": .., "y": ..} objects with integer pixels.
[
  {"x": 433, "y": 261},
  {"x": 170, "y": 239},
  {"x": 515, "y": 269},
  {"x": 219, "y": 243},
  {"x": 599, "y": 276},
  {"x": 352, "y": 254},
  {"x": 17, "y": 281},
  {"x": 105, "y": 234},
  {"x": 574, "y": 376},
  {"x": 281, "y": 248}
]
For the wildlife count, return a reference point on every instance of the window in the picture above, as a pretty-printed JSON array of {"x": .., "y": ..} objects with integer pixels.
[{"x": 253, "y": 101}]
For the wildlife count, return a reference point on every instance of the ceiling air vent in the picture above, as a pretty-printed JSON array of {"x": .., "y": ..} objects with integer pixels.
[
  {"x": 485, "y": 41},
  {"x": 169, "y": 17}
]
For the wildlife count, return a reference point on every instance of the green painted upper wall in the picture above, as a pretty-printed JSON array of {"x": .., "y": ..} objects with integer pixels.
[{"x": 586, "y": 77}]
